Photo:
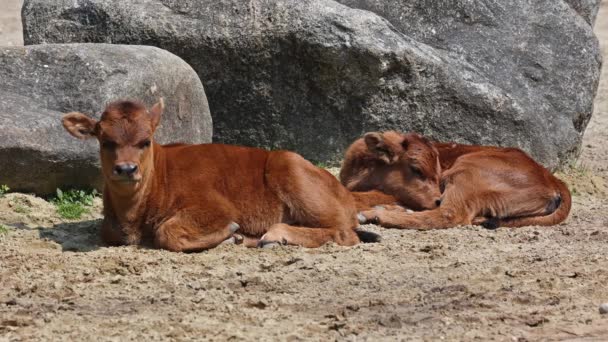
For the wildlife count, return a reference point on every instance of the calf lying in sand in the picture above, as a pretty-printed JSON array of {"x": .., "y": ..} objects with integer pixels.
[
  {"x": 193, "y": 197},
  {"x": 453, "y": 184}
]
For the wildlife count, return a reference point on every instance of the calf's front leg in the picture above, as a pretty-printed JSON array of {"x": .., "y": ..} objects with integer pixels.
[
  {"x": 439, "y": 218},
  {"x": 365, "y": 200},
  {"x": 112, "y": 235},
  {"x": 285, "y": 234}
]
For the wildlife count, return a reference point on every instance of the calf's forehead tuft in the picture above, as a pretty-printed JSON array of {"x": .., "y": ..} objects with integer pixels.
[
  {"x": 422, "y": 154},
  {"x": 125, "y": 122},
  {"x": 125, "y": 109}
]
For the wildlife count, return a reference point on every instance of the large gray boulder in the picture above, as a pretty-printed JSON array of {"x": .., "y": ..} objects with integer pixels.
[
  {"x": 41, "y": 83},
  {"x": 314, "y": 75}
]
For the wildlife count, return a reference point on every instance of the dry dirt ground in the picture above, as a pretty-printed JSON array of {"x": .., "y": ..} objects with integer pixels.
[
  {"x": 10, "y": 23},
  {"x": 57, "y": 282}
]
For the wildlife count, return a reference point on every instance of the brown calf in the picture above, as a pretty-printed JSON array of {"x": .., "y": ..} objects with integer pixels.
[
  {"x": 193, "y": 197},
  {"x": 485, "y": 185}
]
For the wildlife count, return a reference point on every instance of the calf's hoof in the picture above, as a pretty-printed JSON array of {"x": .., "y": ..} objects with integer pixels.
[
  {"x": 271, "y": 239},
  {"x": 235, "y": 239},
  {"x": 370, "y": 217},
  {"x": 491, "y": 223},
  {"x": 270, "y": 244},
  {"x": 233, "y": 227}
]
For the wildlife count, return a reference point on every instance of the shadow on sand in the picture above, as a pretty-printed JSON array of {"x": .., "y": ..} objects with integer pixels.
[{"x": 82, "y": 236}]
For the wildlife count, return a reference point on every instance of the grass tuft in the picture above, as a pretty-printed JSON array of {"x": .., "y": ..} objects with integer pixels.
[
  {"x": 72, "y": 204},
  {"x": 3, "y": 229},
  {"x": 4, "y": 189}
]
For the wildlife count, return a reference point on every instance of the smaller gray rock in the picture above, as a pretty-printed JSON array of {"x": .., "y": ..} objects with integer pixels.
[
  {"x": 40, "y": 83},
  {"x": 604, "y": 308}
]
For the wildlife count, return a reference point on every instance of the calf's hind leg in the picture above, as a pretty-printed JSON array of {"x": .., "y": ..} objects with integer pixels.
[
  {"x": 319, "y": 208},
  {"x": 194, "y": 230},
  {"x": 282, "y": 233}
]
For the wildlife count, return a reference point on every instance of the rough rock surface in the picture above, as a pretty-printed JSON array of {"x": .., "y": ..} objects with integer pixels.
[
  {"x": 539, "y": 54},
  {"x": 313, "y": 75},
  {"x": 41, "y": 83},
  {"x": 588, "y": 9}
]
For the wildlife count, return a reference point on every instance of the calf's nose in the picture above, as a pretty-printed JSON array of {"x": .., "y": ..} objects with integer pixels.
[{"x": 125, "y": 169}]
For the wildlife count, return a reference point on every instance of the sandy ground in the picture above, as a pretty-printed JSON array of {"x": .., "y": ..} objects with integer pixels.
[
  {"x": 10, "y": 23},
  {"x": 58, "y": 283}
]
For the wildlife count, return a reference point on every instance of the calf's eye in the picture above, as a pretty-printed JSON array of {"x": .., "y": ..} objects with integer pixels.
[
  {"x": 417, "y": 172},
  {"x": 108, "y": 145},
  {"x": 145, "y": 143}
]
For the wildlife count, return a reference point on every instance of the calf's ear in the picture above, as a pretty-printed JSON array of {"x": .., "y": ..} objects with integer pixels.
[
  {"x": 373, "y": 140},
  {"x": 80, "y": 125},
  {"x": 156, "y": 111},
  {"x": 377, "y": 146}
]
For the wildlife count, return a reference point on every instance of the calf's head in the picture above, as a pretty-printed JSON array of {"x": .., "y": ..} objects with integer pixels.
[
  {"x": 125, "y": 134},
  {"x": 411, "y": 166}
]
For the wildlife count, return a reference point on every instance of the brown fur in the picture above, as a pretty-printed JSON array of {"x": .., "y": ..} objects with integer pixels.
[
  {"x": 366, "y": 200},
  {"x": 401, "y": 166},
  {"x": 486, "y": 185},
  {"x": 194, "y": 197}
]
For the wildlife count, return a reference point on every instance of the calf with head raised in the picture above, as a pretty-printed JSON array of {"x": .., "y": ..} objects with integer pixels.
[
  {"x": 193, "y": 197},
  {"x": 486, "y": 185}
]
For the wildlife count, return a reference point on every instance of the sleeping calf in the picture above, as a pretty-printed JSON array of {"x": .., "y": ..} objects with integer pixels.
[{"x": 454, "y": 184}]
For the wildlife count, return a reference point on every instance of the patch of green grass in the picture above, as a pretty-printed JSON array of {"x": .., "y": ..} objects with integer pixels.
[
  {"x": 4, "y": 189},
  {"x": 71, "y": 211},
  {"x": 3, "y": 229},
  {"x": 72, "y": 204},
  {"x": 321, "y": 165}
]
